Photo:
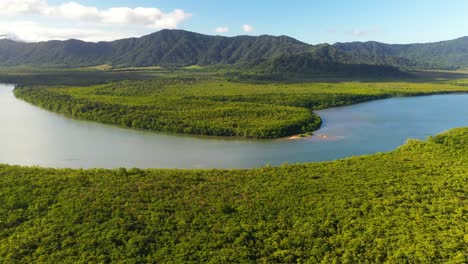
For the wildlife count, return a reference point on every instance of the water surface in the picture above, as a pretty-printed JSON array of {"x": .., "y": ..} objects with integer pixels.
[{"x": 30, "y": 135}]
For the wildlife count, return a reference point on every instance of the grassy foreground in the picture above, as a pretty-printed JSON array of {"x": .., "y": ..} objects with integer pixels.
[
  {"x": 209, "y": 105},
  {"x": 406, "y": 206}
]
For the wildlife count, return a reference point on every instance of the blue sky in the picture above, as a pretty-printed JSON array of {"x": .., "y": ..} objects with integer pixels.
[{"x": 311, "y": 21}]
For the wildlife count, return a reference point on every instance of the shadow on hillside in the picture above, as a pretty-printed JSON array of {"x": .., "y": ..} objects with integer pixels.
[
  {"x": 72, "y": 78},
  {"x": 419, "y": 76},
  {"x": 82, "y": 78}
]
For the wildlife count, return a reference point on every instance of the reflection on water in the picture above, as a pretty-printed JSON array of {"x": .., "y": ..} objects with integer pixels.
[{"x": 33, "y": 136}]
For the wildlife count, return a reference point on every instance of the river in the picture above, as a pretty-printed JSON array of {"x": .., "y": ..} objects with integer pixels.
[{"x": 30, "y": 135}]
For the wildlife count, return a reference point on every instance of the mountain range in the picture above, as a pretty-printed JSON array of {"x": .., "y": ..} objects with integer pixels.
[{"x": 174, "y": 48}]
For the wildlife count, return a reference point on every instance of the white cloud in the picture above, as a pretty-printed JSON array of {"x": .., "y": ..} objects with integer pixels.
[
  {"x": 10, "y": 36},
  {"x": 30, "y": 31},
  {"x": 14, "y": 7},
  {"x": 248, "y": 28},
  {"x": 222, "y": 29},
  {"x": 73, "y": 10},
  {"x": 140, "y": 16}
]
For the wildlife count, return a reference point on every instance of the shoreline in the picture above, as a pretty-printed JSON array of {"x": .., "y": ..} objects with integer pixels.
[
  {"x": 209, "y": 136},
  {"x": 307, "y": 136}
]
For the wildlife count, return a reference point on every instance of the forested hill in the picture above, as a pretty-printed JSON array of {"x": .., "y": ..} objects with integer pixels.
[
  {"x": 183, "y": 48},
  {"x": 324, "y": 59},
  {"x": 444, "y": 54},
  {"x": 166, "y": 48}
]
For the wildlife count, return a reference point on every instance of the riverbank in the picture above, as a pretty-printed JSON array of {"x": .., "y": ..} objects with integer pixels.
[
  {"x": 217, "y": 107},
  {"x": 362, "y": 206},
  {"x": 350, "y": 130},
  {"x": 311, "y": 135}
]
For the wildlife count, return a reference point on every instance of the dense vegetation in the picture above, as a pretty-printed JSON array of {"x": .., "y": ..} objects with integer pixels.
[
  {"x": 149, "y": 105},
  {"x": 444, "y": 54},
  {"x": 175, "y": 48},
  {"x": 215, "y": 106},
  {"x": 407, "y": 206},
  {"x": 166, "y": 48},
  {"x": 291, "y": 66}
]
